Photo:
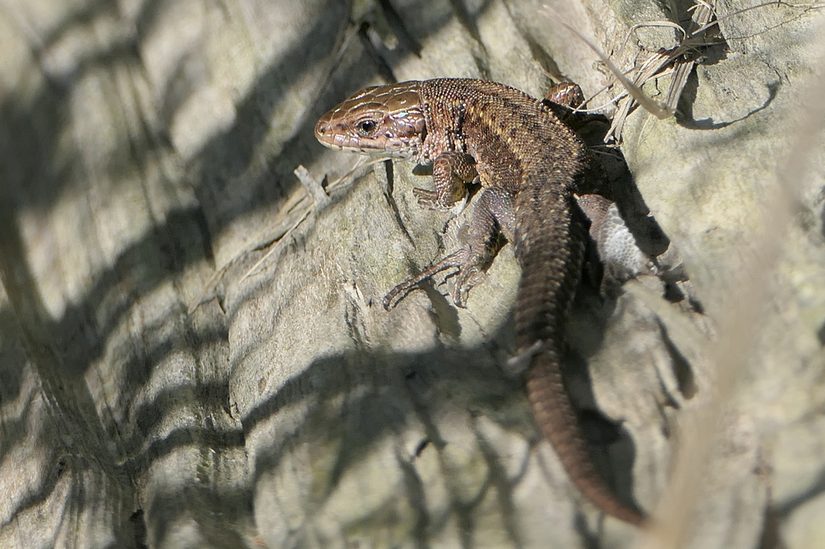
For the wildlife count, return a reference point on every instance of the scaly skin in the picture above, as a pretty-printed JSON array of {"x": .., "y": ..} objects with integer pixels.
[{"x": 529, "y": 163}]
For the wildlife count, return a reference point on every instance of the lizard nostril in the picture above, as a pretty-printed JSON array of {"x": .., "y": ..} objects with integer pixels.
[{"x": 322, "y": 126}]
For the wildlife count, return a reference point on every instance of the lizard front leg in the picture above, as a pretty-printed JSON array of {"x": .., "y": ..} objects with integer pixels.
[{"x": 452, "y": 172}]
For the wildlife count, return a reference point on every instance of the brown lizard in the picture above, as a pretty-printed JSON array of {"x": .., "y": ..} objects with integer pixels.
[{"x": 529, "y": 164}]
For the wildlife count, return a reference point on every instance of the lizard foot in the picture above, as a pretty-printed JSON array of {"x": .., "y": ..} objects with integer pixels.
[
  {"x": 518, "y": 363},
  {"x": 468, "y": 276},
  {"x": 453, "y": 261},
  {"x": 469, "y": 272},
  {"x": 430, "y": 200}
]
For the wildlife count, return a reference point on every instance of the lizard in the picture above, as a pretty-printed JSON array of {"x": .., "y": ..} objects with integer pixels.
[{"x": 530, "y": 165}]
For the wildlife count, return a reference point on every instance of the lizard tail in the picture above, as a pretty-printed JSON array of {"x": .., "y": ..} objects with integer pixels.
[
  {"x": 550, "y": 248},
  {"x": 554, "y": 415}
]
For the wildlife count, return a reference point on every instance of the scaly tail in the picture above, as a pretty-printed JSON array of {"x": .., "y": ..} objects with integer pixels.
[{"x": 550, "y": 245}]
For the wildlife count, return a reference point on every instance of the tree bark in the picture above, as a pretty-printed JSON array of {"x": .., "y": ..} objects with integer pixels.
[{"x": 193, "y": 351}]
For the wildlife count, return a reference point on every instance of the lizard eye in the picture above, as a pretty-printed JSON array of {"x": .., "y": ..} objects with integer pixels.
[{"x": 366, "y": 127}]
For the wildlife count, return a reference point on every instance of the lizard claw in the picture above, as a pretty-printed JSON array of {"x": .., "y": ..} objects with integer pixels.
[
  {"x": 429, "y": 199},
  {"x": 467, "y": 278}
]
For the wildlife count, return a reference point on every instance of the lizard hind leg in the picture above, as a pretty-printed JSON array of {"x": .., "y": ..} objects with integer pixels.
[{"x": 493, "y": 217}]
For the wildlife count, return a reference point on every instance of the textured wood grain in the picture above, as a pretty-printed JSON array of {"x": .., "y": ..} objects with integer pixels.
[{"x": 146, "y": 146}]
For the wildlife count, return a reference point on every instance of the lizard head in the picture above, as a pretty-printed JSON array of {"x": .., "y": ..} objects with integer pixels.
[{"x": 386, "y": 120}]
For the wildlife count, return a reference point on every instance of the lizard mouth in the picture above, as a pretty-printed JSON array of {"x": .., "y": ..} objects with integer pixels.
[{"x": 337, "y": 136}]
